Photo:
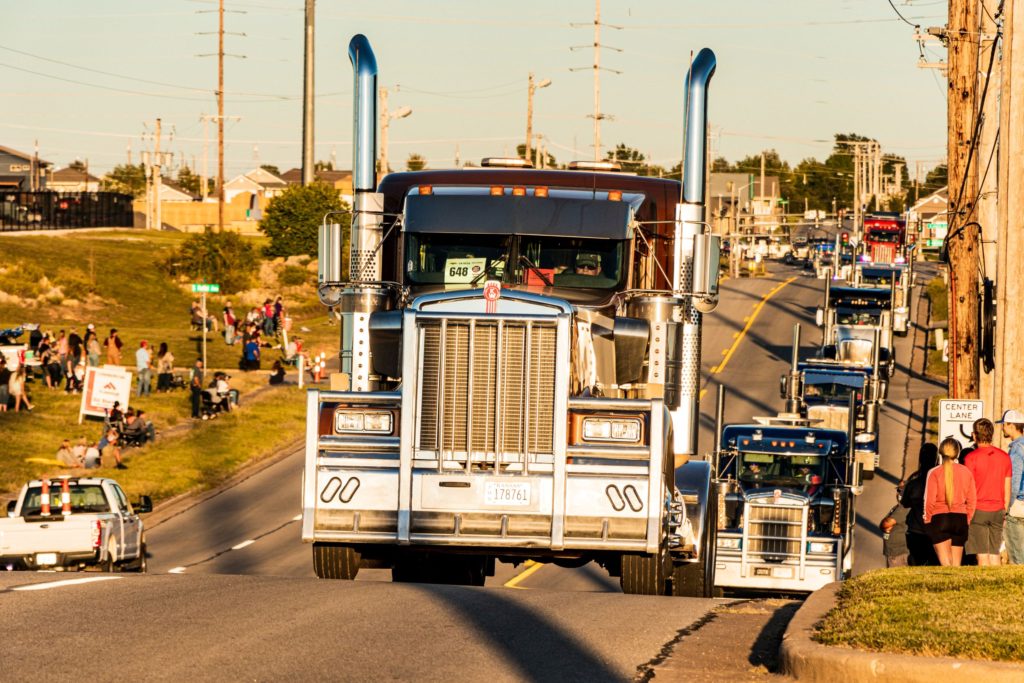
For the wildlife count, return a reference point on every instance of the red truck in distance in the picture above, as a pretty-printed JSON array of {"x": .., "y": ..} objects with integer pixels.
[{"x": 884, "y": 238}]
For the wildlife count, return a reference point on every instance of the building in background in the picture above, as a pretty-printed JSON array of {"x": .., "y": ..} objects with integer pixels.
[
  {"x": 928, "y": 218},
  {"x": 22, "y": 172},
  {"x": 737, "y": 203},
  {"x": 259, "y": 182},
  {"x": 73, "y": 179},
  {"x": 339, "y": 180}
]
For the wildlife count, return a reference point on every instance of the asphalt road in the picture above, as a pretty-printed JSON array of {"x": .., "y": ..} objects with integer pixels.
[{"x": 232, "y": 588}]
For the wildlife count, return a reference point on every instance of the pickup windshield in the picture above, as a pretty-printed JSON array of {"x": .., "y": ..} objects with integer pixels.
[
  {"x": 467, "y": 260},
  {"x": 84, "y": 498},
  {"x": 758, "y": 470}
]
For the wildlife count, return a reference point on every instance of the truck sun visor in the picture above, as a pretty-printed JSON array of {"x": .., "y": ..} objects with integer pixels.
[{"x": 562, "y": 217}]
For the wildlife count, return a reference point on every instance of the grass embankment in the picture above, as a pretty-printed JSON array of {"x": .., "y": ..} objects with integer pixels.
[
  {"x": 968, "y": 612},
  {"x": 938, "y": 294},
  {"x": 112, "y": 278}
]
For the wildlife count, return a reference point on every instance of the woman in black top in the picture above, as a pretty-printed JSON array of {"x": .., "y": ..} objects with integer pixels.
[{"x": 921, "y": 551}]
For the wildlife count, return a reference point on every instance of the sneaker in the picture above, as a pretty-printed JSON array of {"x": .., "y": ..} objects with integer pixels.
[{"x": 206, "y": 417}]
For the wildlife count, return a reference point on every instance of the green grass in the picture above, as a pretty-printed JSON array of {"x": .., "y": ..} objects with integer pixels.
[
  {"x": 111, "y": 278},
  {"x": 939, "y": 296},
  {"x": 968, "y": 612}
]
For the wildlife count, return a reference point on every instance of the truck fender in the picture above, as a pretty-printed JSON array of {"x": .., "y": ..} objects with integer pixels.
[{"x": 694, "y": 480}]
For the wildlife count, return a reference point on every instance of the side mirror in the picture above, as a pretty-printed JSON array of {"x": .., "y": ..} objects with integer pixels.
[
  {"x": 11, "y": 505},
  {"x": 144, "y": 505},
  {"x": 707, "y": 250},
  {"x": 819, "y": 317},
  {"x": 782, "y": 385}
]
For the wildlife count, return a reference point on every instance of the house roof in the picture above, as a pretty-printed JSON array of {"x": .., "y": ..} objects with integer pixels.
[
  {"x": 73, "y": 175},
  {"x": 21, "y": 155},
  {"x": 294, "y": 176},
  {"x": 242, "y": 182},
  {"x": 175, "y": 187},
  {"x": 939, "y": 198},
  {"x": 265, "y": 178}
]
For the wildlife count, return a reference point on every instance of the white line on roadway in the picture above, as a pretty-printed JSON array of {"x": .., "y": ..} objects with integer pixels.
[
  {"x": 243, "y": 544},
  {"x": 297, "y": 518},
  {"x": 177, "y": 570},
  {"x": 59, "y": 584}
]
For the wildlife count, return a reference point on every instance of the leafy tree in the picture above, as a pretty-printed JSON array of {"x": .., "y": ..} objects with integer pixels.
[
  {"x": 77, "y": 165},
  {"x": 323, "y": 166},
  {"x": 415, "y": 162},
  {"x": 549, "y": 160},
  {"x": 292, "y": 219},
  {"x": 222, "y": 257},
  {"x": 936, "y": 179},
  {"x": 189, "y": 181},
  {"x": 721, "y": 165},
  {"x": 126, "y": 179},
  {"x": 633, "y": 161},
  {"x": 271, "y": 168}
]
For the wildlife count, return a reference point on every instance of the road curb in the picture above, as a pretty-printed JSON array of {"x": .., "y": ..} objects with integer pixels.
[
  {"x": 806, "y": 660},
  {"x": 175, "y": 506}
]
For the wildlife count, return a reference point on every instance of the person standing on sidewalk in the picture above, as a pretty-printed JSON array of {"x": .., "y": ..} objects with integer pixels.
[
  {"x": 894, "y": 533},
  {"x": 949, "y": 503},
  {"x": 921, "y": 552},
  {"x": 1013, "y": 428},
  {"x": 991, "y": 469}
]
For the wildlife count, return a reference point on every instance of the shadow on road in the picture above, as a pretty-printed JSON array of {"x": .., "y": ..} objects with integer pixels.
[
  {"x": 540, "y": 649},
  {"x": 765, "y": 650}
]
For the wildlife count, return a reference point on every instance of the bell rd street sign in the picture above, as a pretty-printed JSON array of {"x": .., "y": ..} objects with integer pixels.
[
  {"x": 205, "y": 288},
  {"x": 956, "y": 419}
]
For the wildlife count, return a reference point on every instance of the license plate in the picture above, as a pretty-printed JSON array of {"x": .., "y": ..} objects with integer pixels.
[
  {"x": 507, "y": 493},
  {"x": 46, "y": 559}
]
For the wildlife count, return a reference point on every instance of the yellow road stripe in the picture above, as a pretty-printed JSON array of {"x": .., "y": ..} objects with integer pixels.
[
  {"x": 750, "y": 321},
  {"x": 531, "y": 568}
]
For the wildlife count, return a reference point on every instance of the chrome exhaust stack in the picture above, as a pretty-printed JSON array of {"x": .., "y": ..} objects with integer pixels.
[
  {"x": 364, "y": 293},
  {"x": 695, "y": 279}
]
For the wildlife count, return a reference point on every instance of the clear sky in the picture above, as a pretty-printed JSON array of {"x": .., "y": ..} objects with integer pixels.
[{"x": 87, "y": 79}]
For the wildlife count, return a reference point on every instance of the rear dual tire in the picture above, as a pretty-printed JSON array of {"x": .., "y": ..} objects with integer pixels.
[{"x": 335, "y": 561}]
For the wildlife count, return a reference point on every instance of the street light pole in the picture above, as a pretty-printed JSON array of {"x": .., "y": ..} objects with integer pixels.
[
  {"x": 530, "y": 90},
  {"x": 307, "y": 97}
]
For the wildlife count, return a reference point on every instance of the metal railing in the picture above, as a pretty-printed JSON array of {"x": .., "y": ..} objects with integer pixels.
[{"x": 63, "y": 210}]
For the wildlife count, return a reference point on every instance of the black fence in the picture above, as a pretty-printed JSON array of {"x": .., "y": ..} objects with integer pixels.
[{"x": 62, "y": 210}]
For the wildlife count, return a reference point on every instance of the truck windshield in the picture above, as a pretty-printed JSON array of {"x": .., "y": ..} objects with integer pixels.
[
  {"x": 831, "y": 391},
  {"x": 856, "y": 316},
  {"x": 467, "y": 260},
  {"x": 758, "y": 470},
  {"x": 888, "y": 236},
  {"x": 84, "y": 498}
]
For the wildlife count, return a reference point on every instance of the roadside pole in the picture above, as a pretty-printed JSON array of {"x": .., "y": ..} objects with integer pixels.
[
  {"x": 986, "y": 172},
  {"x": 204, "y": 288},
  {"x": 206, "y": 315}
]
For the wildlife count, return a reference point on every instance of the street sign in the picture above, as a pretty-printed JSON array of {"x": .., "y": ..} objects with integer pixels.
[
  {"x": 103, "y": 386},
  {"x": 205, "y": 288},
  {"x": 956, "y": 418}
]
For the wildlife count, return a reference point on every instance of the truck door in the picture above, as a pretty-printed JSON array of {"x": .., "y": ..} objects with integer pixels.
[{"x": 129, "y": 524}]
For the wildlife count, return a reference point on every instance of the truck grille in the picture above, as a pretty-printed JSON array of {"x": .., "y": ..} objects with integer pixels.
[
  {"x": 488, "y": 387},
  {"x": 883, "y": 253},
  {"x": 775, "y": 531}
]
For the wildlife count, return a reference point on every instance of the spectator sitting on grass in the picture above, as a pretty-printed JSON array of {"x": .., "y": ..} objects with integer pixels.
[
  {"x": 115, "y": 416},
  {"x": 110, "y": 450},
  {"x": 66, "y": 455},
  {"x": 92, "y": 457},
  {"x": 137, "y": 429},
  {"x": 277, "y": 374},
  {"x": 78, "y": 451}
]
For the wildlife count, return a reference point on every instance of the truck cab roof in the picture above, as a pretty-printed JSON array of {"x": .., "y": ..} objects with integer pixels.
[{"x": 784, "y": 440}]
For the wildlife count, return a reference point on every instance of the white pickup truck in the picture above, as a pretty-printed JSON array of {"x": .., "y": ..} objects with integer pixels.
[{"x": 87, "y": 522}]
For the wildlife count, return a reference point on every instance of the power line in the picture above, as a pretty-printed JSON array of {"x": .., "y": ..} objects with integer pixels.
[{"x": 901, "y": 16}]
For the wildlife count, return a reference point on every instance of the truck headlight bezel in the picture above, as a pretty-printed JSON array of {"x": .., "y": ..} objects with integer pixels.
[
  {"x": 727, "y": 543},
  {"x": 604, "y": 428},
  {"x": 363, "y": 421},
  {"x": 866, "y": 437},
  {"x": 821, "y": 547}
]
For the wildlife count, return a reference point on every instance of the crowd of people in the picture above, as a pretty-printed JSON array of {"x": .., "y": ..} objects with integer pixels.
[{"x": 962, "y": 501}]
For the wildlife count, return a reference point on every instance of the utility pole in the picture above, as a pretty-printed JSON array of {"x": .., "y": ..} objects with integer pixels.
[
  {"x": 204, "y": 190},
  {"x": 988, "y": 205},
  {"x": 962, "y": 239},
  {"x": 157, "y": 180},
  {"x": 220, "y": 116},
  {"x": 385, "y": 122},
  {"x": 531, "y": 88},
  {"x": 1009, "y": 390},
  {"x": 596, "y": 66},
  {"x": 307, "y": 98},
  {"x": 148, "y": 167}
]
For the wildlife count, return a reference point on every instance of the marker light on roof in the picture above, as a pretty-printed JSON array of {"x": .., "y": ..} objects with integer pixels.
[
  {"x": 426, "y": 189},
  {"x": 518, "y": 191},
  {"x": 615, "y": 195},
  {"x": 497, "y": 190},
  {"x": 540, "y": 192}
]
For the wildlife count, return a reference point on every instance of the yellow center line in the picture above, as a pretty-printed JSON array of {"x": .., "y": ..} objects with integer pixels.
[
  {"x": 531, "y": 568},
  {"x": 750, "y": 321}
]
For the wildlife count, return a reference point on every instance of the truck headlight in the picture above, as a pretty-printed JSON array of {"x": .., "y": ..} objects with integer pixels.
[
  {"x": 864, "y": 438},
  {"x": 620, "y": 430},
  {"x": 374, "y": 422},
  {"x": 821, "y": 547},
  {"x": 729, "y": 543}
]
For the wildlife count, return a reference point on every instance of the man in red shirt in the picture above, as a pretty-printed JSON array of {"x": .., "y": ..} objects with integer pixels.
[{"x": 991, "y": 469}]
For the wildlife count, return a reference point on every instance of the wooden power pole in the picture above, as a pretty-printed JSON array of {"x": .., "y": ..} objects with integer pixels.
[
  {"x": 1009, "y": 362},
  {"x": 220, "y": 116},
  {"x": 985, "y": 168},
  {"x": 962, "y": 241}
]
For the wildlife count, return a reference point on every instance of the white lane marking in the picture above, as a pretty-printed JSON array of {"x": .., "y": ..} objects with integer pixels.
[
  {"x": 243, "y": 544},
  {"x": 177, "y": 570},
  {"x": 297, "y": 518},
  {"x": 60, "y": 584}
]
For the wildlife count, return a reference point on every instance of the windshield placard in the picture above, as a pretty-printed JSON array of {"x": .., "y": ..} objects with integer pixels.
[{"x": 462, "y": 271}]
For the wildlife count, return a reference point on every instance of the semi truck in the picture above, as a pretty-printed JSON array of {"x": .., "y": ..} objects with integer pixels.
[
  {"x": 885, "y": 237},
  {"x": 899, "y": 277},
  {"x": 520, "y": 354},
  {"x": 857, "y": 323},
  {"x": 787, "y": 489}
]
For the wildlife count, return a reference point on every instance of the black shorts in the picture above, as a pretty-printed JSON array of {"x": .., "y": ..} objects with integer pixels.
[{"x": 949, "y": 526}]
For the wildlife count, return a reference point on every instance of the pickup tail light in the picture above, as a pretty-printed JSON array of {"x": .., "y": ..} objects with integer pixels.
[{"x": 97, "y": 533}]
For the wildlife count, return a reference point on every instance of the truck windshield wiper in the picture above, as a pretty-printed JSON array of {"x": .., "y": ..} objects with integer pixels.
[
  {"x": 488, "y": 270},
  {"x": 529, "y": 264}
]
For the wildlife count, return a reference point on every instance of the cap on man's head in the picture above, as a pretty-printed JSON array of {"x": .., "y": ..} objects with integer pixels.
[
  {"x": 587, "y": 259},
  {"x": 90, "y": 326},
  {"x": 1014, "y": 416}
]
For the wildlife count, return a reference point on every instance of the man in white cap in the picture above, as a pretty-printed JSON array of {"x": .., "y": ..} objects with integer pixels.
[{"x": 1013, "y": 429}]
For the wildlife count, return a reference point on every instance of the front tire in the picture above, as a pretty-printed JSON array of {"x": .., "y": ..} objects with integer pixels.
[
  {"x": 335, "y": 561},
  {"x": 644, "y": 574},
  {"x": 697, "y": 579}
]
